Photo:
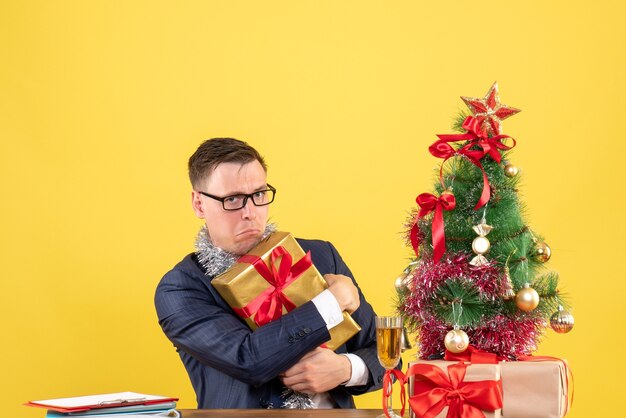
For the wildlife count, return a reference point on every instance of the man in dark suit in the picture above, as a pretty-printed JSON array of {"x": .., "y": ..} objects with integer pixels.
[{"x": 229, "y": 365}]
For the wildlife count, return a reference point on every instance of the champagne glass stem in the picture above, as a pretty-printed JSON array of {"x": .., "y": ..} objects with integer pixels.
[{"x": 390, "y": 400}]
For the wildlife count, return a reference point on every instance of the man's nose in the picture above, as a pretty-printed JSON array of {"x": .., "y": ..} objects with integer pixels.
[{"x": 249, "y": 210}]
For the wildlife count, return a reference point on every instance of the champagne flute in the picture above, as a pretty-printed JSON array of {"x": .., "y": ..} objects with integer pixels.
[{"x": 388, "y": 337}]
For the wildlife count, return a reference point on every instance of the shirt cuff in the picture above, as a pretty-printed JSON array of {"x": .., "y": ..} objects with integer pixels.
[
  {"x": 329, "y": 308},
  {"x": 360, "y": 374}
]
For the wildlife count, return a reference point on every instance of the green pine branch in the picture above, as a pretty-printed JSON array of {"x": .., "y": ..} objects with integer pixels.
[{"x": 459, "y": 302}]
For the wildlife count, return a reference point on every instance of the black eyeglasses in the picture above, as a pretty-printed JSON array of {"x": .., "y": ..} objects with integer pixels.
[{"x": 238, "y": 201}]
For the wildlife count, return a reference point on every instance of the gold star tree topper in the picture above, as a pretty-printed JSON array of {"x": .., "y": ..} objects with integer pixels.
[{"x": 489, "y": 111}]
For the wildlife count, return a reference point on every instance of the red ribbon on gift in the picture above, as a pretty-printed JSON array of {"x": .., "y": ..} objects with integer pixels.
[
  {"x": 433, "y": 390},
  {"x": 429, "y": 203},
  {"x": 388, "y": 389},
  {"x": 268, "y": 305},
  {"x": 473, "y": 355},
  {"x": 569, "y": 375},
  {"x": 478, "y": 137}
]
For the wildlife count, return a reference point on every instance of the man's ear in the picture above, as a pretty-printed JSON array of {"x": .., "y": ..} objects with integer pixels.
[{"x": 196, "y": 204}]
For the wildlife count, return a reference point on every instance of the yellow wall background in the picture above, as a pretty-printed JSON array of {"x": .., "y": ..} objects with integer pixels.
[{"x": 102, "y": 102}]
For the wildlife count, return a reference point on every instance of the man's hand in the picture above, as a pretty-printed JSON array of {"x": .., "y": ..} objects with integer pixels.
[
  {"x": 344, "y": 291},
  {"x": 318, "y": 371}
]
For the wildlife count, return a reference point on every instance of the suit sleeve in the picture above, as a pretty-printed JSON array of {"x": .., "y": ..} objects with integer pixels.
[
  {"x": 363, "y": 344},
  {"x": 217, "y": 338}
]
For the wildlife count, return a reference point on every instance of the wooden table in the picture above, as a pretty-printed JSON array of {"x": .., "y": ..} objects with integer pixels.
[{"x": 297, "y": 413}]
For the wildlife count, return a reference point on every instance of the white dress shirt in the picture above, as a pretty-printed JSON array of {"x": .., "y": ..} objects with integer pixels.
[{"x": 329, "y": 309}]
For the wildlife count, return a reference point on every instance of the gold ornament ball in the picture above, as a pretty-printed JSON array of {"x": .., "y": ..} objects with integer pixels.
[
  {"x": 400, "y": 282},
  {"x": 562, "y": 321},
  {"x": 456, "y": 341},
  {"x": 480, "y": 245},
  {"x": 542, "y": 252},
  {"x": 510, "y": 170},
  {"x": 447, "y": 191},
  {"x": 527, "y": 298}
]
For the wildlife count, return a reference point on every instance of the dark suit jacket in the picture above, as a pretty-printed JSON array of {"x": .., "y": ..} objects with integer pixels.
[{"x": 232, "y": 367}]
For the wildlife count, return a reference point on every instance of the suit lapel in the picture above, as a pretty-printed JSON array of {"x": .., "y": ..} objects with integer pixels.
[{"x": 207, "y": 282}]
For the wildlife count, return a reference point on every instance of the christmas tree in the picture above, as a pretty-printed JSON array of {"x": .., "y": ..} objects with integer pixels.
[{"x": 479, "y": 274}]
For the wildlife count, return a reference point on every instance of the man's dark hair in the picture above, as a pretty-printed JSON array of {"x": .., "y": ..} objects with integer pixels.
[{"x": 215, "y": 151}]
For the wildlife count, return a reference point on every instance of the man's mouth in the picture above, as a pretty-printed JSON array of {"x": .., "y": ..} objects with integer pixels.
[{"x": 249, "y": 232}]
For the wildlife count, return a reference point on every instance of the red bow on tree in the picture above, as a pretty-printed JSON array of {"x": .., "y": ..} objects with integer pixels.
[
  {"x": 480, "y": 145},
  {"x": 429, "y": 203}
]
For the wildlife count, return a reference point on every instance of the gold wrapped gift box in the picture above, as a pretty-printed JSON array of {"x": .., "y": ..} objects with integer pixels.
[{"x": 242, "y": 284}]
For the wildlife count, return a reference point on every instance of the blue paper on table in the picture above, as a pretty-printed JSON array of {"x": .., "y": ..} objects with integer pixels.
[
  {"x": 118, "y": 413},
  {"x": 155, "y": 408}
]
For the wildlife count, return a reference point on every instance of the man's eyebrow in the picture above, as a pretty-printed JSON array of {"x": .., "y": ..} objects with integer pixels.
[{"x": 263, "y": 187}]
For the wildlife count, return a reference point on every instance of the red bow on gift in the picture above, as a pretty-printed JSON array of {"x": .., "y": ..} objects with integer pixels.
[
  {"x": 428, "y": 203},
  {"x": 473, "y": 355},
  {"x": 433, "y": 390},
  {"x": 477, "y": 137},
  {"x": 268, "y": 305}
]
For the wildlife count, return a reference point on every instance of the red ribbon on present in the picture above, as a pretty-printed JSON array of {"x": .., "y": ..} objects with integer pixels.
[
  {"x": 478, "y": 137},
  {"x": 429, "y": 203},
  {"x": 569, "y": 375},
  {"x": 433, "y": 390},
  {"x": 268, "y": 305},
  {"x": 388, "y": 389},
  {"x": 473, "y": 355}
]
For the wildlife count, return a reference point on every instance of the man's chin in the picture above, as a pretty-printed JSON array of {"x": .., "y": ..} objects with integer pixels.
[{"x": 247, "y": 243}]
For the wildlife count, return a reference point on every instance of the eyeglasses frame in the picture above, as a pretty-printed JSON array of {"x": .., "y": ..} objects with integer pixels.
[{"x": 245, "y": 197}]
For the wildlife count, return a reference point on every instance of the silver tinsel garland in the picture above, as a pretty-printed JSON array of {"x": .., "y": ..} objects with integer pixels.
[
  {"x": 296, "y": 400},
  {"x": 214, "y": 259}
]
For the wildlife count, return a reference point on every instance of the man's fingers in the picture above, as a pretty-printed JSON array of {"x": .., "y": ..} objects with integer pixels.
[
  {"x": 331, "y": 278},
  {"x": 294, "y": 379},
  {"x": 320, "y": 372},
  {"x": 302, "y": 387},
  {"x": 292, "y": 371},
  {"x": 344, "y": 291},
  {"x": 301, "y": 364},
  {"x": 298, "y": 368}
]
